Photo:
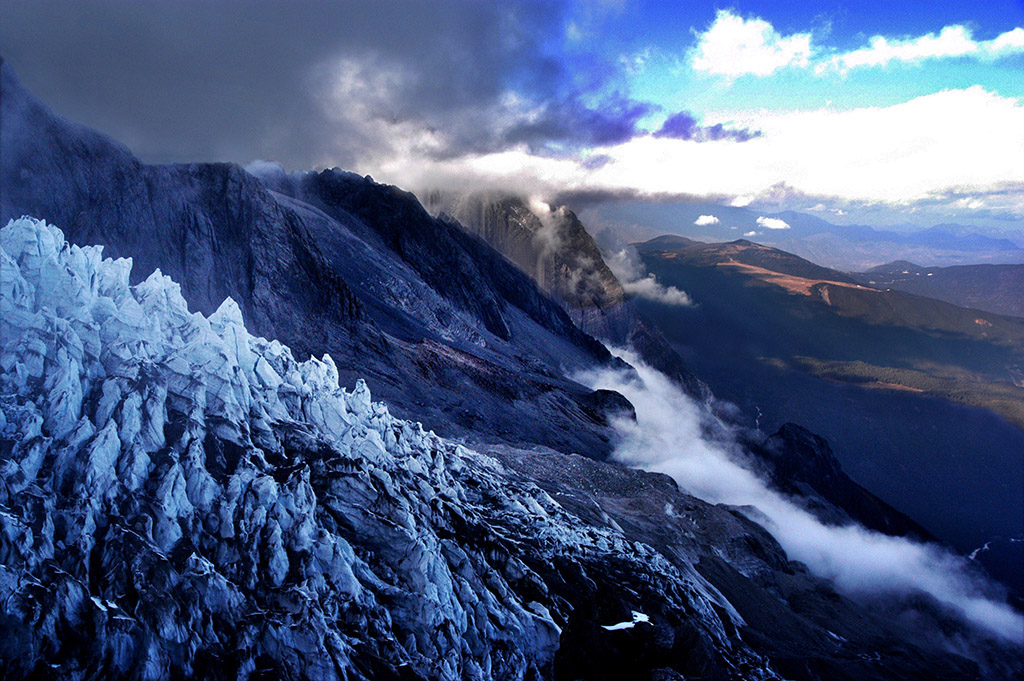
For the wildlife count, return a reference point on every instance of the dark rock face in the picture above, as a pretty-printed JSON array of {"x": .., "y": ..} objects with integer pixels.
[
  {"x": 549, "y": 245},
  {"x": 802, "y": 464},
  {"x": 554, "y": 248},
  {"x": 435, "y": 321},
  {"x": 604, "y": 404}
]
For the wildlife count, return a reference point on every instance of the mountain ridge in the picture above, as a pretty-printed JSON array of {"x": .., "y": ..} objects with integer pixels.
[
  {"x": 901, "y": 386},
  {"x": 317, "y": 283},
  {"x": 991, "y": 288},
  {"x": 218, "y": 509},
  {"x": 843, "y": 247}
]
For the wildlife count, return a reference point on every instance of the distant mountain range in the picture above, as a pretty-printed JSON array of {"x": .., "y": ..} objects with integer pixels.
[
  {"x": 993, "y": 288},
  {"x": 913, "y": 393},
  {"x": 843, "y": 247}
]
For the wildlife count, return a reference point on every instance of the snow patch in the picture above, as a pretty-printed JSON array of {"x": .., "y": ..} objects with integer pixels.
[{"x": 638, "y": 618}]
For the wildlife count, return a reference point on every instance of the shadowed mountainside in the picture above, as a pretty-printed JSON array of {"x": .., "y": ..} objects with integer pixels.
[
  {"x": 893, "y": 381},
  {"x": 434, "y": 320}
]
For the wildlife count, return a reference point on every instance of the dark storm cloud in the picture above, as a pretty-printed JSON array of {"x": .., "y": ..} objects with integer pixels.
[
  {"x": 243, "y": 80},
  {"x": 685, "y": 127},
  {"x": 681, "y": 126},
  {"x": 612, "y": 122}
]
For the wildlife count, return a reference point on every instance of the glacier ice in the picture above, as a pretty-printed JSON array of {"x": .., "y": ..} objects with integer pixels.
[
  {"x": 182, "y": 498},
  {"x": 638, "y": 618}
]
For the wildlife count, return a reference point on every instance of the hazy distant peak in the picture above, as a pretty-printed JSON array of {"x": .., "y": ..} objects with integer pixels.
[{"x": 896, "y": 265}]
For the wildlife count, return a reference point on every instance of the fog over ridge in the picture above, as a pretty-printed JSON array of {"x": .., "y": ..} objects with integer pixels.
[{"x": 668, "y": 437}]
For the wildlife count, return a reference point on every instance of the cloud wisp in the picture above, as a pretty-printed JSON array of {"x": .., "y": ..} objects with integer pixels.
[
  {"x": 772, "y": 223},
  {"x": 625, "y": 264},
  {"x": 941, "y": 145},
  {"x": 667, "y": 437},
  {"x": 951, "y": 42}
]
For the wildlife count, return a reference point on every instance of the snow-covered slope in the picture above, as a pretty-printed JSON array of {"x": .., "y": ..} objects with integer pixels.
[{"x": 181, "y": 498}]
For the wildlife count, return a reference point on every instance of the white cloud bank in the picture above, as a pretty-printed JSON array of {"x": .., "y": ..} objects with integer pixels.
[
  {"x": 952, "y": 143},
  {"x": 652, "y": 289},
  {"x": 667, "y": 438},
  {"x": 705, "y": 220},
  {"x": 626, "y": 266},
  {"x": 734, "y": 46}
]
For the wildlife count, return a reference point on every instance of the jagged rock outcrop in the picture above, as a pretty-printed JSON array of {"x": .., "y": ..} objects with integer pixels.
[
  {"x": 550, "y": 245},
  {"x": 435, "y": 321},
  {"x": 182, "y": 499},
  {"x": 802, "y": 464},
  {"x": 553, "y": 246}
]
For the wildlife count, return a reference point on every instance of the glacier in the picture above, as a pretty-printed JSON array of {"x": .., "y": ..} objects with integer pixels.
[{"x": 182, "y": 498}]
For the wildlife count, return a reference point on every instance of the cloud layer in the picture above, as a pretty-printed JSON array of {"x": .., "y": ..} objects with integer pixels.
[
  {"x": 667, "y": 437},
  {"x": 315, "y": 83},
  {"x": 478, "y": 95},
  {"x": 948, "y": 148}
]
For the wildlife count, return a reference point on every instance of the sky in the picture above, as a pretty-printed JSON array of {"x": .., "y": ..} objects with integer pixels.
[{"x": 899, "y": 107}]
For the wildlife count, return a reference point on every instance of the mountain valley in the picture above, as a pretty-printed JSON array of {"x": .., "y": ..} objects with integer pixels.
[{"x": 900, "y": 385}]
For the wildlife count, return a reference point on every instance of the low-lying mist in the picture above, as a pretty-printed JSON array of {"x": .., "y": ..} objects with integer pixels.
[{"x": 667, "y": 437}]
